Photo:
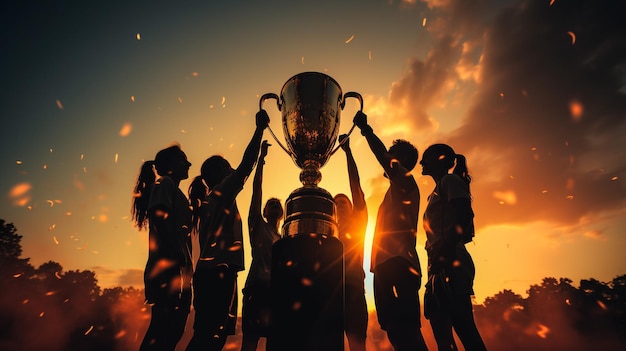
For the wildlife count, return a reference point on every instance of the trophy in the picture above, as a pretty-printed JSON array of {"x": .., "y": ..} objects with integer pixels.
[{"x": 307, "y": 262}]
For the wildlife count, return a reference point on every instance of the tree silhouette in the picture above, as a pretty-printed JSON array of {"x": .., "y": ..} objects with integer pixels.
[
  {"x": 49, "y": 309},
  {"x": 9, "y": 241}
]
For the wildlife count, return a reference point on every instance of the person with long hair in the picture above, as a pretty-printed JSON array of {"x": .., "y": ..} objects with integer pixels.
[
  {"x": 352, "y": 223},
  {"x": 160, "y": 205},
  {"x": 263, "y": 230},
  {"x": 449, "y": 225},
  {"x": 395, "y": 264},
  {"x": 220, "y": 235}
]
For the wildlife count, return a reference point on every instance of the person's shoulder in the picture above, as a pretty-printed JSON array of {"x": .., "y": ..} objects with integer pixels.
[
  {"x": 165, "y": 182},
  {"x": 452, "y": 179}
]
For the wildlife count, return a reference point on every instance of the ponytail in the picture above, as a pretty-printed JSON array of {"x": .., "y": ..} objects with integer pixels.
[
  {"x": 198, "y": 192},
  {"x": 461, "y": 169},
  {"x": 141, "y": 195}
]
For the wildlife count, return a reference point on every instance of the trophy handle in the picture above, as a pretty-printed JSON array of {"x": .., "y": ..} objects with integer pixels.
[
  {"x": 261, "y": 101},
  {"x": 343, "y": 104}
]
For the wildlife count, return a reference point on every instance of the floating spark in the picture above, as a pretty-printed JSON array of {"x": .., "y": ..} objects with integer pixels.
[
  {"x": 59, "y": 104},
  {"x": 571, "y": 34},
  {"x": 350, "y": 39},
  {"x": 138, "y": 36},
  {"x": 126, "y": 129}
]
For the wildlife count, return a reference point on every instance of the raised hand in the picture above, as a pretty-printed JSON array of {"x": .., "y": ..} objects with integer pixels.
[
  {"x": 262, "y": 119},
  {"x": 264, "y": 146},
  {"x": 360, "y": 120},
  {"x": 345, "y": 145}
]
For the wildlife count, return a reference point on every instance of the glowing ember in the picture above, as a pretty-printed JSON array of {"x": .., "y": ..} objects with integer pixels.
[
  {"x": 138, "y": 36},
  {"x": 126, "y": 129},
  {"x": 543, "y": 331},
  {"x": 349, "y": 39},
  {"x": 18, "y": 162},
  {"x": 132, "y": 98},
  {"x": 89, "y": 330},
  {"x": 576, "y": 110},
  {"x": 424, "y": 22},
  {"x": 59, "y": 104},
  {"x": 395, "y": 292},
  {"x": 56, "y": 241},
  {"x": 573, "y": 36},
  {"x": 306, "y": 282}
]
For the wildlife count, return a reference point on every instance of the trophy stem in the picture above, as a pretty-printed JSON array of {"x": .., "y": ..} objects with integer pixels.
[{"x": 310, "y": 175}]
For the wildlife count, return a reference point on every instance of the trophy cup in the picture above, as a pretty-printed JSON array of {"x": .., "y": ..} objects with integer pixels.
[{"x": 307, "y": 281}]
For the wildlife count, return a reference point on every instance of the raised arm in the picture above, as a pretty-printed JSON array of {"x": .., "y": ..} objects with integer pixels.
[
  {"x": 252, "y": 150},
  {"x": 358, "y": 197},
  {"x": 257, "y": 189},
  {"x": 376, "y": 145}
]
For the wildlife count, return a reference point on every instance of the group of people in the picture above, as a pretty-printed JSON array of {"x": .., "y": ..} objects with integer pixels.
[{"x": 211, "y": 211}]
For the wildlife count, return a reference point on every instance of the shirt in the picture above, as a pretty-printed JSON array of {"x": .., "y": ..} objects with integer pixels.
[
  {"x": 396, "y": 222},
  {"x": 220, "y": 227}
]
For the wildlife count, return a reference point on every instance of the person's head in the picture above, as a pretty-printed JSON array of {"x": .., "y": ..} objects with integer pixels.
[
  {"x": 438, "y": 159},
  {"x": 404, "y": 152},
  {"x": 273, "y": 210},
  {"x": 344, "y": 206},
  {"x": 214, "y": 170},
  {"x": 172, "y": 162}
]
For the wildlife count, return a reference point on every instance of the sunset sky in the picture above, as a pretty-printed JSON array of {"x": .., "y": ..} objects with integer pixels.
[{"x": 532, "y": 92}]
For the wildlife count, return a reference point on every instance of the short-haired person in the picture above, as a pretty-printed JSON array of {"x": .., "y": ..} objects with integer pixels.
[
  {"x": 449, "y": 225},
  {"x": 395, "y": 264},
  {"x": 220, "y": 236},
  {"x": 352, "y": 221},
  {"x": 159, "y": 204}
]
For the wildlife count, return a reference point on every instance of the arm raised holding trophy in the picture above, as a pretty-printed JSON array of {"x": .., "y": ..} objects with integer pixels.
[
  {"x": 220, "y": 234},
  {"x": 394, "y": 260}
]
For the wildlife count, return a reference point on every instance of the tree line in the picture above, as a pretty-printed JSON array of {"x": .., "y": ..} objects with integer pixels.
[{"x": 50, "y": 309}]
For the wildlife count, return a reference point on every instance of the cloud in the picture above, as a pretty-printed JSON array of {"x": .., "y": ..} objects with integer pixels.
[
  {"x": 544, "y": 129},
  {"x": 521, "y": 118}
]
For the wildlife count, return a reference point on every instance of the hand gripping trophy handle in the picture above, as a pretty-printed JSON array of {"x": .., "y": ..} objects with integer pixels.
[
  {"x": 261, "y": 101},
  {"x": 358, "y": 96}
]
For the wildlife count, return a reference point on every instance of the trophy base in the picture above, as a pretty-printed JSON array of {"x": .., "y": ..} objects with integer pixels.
[{"x": 307, "y": 294}]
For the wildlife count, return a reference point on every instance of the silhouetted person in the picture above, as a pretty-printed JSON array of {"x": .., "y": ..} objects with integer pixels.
[
  {"x": 164, "y": 208},
  {"x": 263, "y": 227},
  {"x": 395, "y": 264},
  {"x": 352, "y": 221},
  {"x": 221, "y": 244},
  {"x": 449, "y": 225}
]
